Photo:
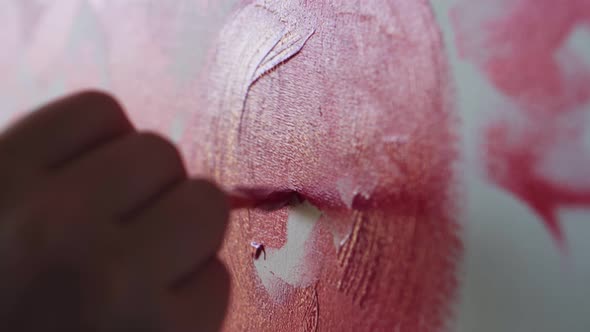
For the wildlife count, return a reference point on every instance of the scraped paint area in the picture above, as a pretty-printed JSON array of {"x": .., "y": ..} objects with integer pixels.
[
  {"x": 529, "y": 50},
  {"x": 347, "y": 103},
  {"x": 288, "y": 263}
]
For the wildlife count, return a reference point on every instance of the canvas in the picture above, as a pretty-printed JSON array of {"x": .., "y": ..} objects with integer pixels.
[{"x": 440, "y": 147}]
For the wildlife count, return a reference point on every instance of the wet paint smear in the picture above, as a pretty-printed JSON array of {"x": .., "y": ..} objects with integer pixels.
[
  {"x": 535, "y": 148},
  {"x": 344, "y": 102}
]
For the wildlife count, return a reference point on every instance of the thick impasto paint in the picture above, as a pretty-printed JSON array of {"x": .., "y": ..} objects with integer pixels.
[{"x": 345, "y": 102}]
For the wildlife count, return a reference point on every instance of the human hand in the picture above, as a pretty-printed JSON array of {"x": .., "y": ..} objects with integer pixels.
[{"x": 102, "y": 230}]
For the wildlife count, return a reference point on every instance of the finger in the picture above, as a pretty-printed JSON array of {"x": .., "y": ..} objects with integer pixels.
[
  {"x": 64, "y": 129},
  {"x": 201, "y": 303},
  {"x": 178, "y": 233},
  {"x": 119, "y": 178}
]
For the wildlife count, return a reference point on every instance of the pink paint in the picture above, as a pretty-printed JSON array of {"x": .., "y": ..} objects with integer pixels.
[
  {"x": 521, "y": 46},
  {"x": 352, "y": 115}
]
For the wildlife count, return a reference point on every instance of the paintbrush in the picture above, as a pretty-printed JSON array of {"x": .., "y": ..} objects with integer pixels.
[{"x": 262, "y": 198}]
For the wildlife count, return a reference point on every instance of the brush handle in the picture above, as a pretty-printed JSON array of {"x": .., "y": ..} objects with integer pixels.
[{"x": 261, "y": 198}]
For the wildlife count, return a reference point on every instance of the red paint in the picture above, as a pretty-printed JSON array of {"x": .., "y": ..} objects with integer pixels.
[
  {"x": 358, "y": 124},
  {"x": 521, "y": 49}
]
